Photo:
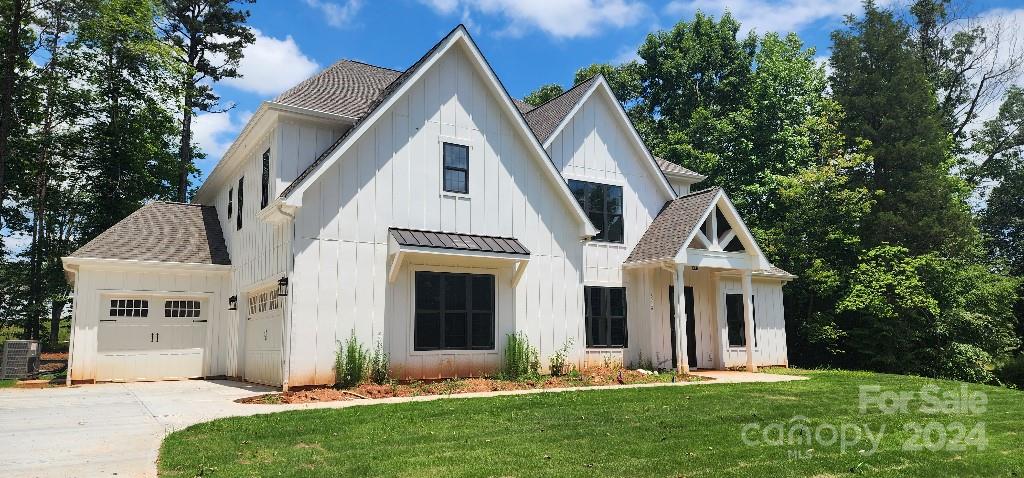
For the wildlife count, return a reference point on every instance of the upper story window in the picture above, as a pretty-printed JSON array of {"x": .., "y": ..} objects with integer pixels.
[
  {"x": 603, "y": 205},
  {"x": 231, "y": 201},
  {"x": 241, "y": 189},
  {"x": 265, "y": 180},
  {"x": 456, "y": 168}
]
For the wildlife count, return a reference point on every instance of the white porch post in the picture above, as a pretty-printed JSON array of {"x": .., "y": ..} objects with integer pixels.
[
  {"x": 682, "y": 360},
  {"x": 748, "y": 320}
]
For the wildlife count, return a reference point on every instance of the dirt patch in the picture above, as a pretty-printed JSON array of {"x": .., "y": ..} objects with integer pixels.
[{"x": 592, "y": 377}]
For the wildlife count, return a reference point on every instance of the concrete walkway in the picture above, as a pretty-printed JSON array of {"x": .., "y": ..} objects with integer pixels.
[{"x": 115, "y": 429}]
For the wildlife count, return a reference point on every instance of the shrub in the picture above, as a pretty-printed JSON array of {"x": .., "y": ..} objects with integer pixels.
[
  {"x": 350, "y": 363},
  {"x": 963, "y": 362},
  {"x": 1011, "y": 373},
  {"x": 521, "y": 359},
  {"x": 558, "y": 363},
  {"x": 380, "y": 372}
]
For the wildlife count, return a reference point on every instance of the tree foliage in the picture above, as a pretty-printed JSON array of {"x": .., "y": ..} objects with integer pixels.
[{"x": 543, "y": 93}]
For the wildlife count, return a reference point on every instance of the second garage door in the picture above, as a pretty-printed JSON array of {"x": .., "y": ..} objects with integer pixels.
[
  {"x": 151, "y": 338},
  {"x": 263, "y": 337}
]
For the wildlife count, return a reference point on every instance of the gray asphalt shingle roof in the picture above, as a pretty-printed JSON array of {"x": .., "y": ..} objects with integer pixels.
[
  {"x": 164, "y": 232},
  {"x": 664, "y": 237},
  {"x": 346, "y": 88},
  {"x": 672, "y": 168},
  {"x": 545, "y": 118},
  {"x": 456, "y": 241}
]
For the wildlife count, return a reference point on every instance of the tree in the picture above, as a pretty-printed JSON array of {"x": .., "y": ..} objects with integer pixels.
[
  {"x": 543, "y": 93},
  {"x": 882, "y": 84},
  {"x": 15, "y": 16},
  {"x": 128, "y": 141},
  {"x": 208, "y": 37}
]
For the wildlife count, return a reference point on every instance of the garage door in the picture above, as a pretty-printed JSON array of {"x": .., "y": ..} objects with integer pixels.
[
  {"x": 151, "y": 338},
  {"x": 263, "y": 337}
]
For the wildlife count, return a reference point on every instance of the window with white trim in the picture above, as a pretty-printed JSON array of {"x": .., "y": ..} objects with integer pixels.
[
  {"x": 181, "y": 308},
  {"x": 129, "y": 308},
  {"x": 456, "y": 168}
]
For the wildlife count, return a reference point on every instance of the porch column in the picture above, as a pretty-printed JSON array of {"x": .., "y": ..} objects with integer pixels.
[
  {"x": 682, "y": 359},
  {"x": 748, "y": 320}
]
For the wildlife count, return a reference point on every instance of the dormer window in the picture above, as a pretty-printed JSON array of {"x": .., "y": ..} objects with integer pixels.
[{"x": 456, "y": 168}]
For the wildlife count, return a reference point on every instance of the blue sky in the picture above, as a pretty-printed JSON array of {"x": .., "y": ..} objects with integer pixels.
[{"x": 528, "y": 42}]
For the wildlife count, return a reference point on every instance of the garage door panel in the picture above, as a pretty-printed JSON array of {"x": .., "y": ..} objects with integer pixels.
[{"x": 149, "y": 345}]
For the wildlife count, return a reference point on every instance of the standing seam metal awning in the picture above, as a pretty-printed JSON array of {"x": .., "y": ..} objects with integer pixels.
[
  {"x": 455, "y": 241},
  {"x": 474, "y": 246}
]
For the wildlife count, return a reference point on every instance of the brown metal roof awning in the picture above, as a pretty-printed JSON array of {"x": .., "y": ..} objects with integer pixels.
[
  {"x": 455, "y": 249},
  {"x": 459, "y": 242}
]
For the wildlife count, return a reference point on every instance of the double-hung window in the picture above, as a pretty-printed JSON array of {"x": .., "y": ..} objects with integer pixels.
[
  {"x": 605, "y": 316},
  {"x": 734, "y": 320},
  {"x": 456, "y": 168},
  {"x": 603, "y": 205},
  {"x": 454, "y": 311}
]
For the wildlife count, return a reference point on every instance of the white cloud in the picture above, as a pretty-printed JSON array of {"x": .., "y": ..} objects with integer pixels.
[
  {"x": 272, "y": 65},
  {"x": 215, "y": 131},
  {"x": 558, "y": 18},
  {"x": 765, "y": 16},
  {"x": 337, "y": 15}
]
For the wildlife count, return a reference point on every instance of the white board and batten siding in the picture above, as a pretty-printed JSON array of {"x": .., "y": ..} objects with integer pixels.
[
  {"x": 594, "y": 146},
  {"x": 126, "y": 348},
  {"x": 770, "y": 323},
  {"x": 391, "y": 177}
]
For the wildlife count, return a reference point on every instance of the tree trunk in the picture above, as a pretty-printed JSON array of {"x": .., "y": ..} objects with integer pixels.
[
  {"x": 56, "y": 310},
  {"x": 11, "y": 55},
  {"x": 185, "y": 148}
]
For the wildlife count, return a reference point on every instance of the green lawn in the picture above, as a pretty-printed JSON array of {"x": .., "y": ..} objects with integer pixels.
[{"x": 665, "y": 431}]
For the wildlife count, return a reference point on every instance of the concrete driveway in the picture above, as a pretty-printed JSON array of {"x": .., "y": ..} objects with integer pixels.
[{"x": 111, "y": 429}]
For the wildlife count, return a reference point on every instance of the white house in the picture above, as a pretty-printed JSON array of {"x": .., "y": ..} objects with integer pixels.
[{"x": 428, "y": 211}]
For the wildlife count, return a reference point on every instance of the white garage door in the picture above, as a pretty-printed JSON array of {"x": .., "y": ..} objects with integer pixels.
[
  {"x": 151, "y": 338},
  {"x": 263, "y": 337}
]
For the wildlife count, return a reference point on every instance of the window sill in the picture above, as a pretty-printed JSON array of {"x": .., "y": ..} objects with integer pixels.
[
  {"x": 454, "y": 352},
  {"x": 606, "y": 349},
  {"x": 451, "y": 195},
  {"x": 741, "y": 348},
  {"x": 607, "y": 244}
]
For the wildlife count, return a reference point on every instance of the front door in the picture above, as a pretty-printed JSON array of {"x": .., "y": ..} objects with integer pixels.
[
  {"x": 691, "y": 333},
  {"x": 263, "y": 331}
]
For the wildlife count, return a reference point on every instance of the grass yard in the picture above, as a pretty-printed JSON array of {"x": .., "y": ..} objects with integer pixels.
[{"x": 666, "y": 431}]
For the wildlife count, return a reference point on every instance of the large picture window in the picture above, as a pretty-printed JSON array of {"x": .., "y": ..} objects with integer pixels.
[
  {"x": 603, "y": 205},
  {"x": 454, "y": 311},
  {"x": 456, "y": 168},
  {"x": 734, "y": 320},
  {"x": 606, "y": 316}
]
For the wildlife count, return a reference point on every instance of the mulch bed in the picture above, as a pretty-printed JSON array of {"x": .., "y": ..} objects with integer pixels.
[{"x": 590, "y": 377}]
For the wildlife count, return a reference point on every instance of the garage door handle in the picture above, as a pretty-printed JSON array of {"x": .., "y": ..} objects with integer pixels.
[{"x": 194, "y": 321}]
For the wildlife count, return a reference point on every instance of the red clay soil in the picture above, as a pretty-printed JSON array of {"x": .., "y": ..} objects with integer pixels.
[{"x": 587, "y": 378}]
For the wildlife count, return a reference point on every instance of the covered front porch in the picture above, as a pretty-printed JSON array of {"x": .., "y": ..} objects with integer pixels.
[{"x": 699, "y": 258}]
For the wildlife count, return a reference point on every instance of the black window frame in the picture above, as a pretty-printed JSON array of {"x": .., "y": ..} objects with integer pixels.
[
  {"x": 603, "y": 320},
  {"x": 231, "y": 201},
  {"x": 471, "y": 309},
  {"x": 265, "y": 180},
  {"x": 741, "y": 328},
  {"x": 445, "y": 168},
  {"x": 598, "y": 210},
  {"x": 129, "y": 307},
  {"x": 238, "y": 216},
  {"x": 182, "y": 308}
]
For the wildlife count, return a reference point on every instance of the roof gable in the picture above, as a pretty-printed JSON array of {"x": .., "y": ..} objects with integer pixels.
[
  {"x": 292, "y": 195},
  {"x": 564, "y": 107},
  {"x": 162, "y": 232}
]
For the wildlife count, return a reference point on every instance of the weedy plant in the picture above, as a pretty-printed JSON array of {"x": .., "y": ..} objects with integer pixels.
[
  {"x": 558, "y": 362},
  {"x": 521, "y": 359},
  {"x": 350, "y": 363},
  {"x": 380, "y": 366}
]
